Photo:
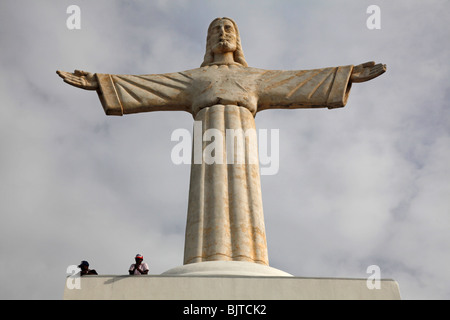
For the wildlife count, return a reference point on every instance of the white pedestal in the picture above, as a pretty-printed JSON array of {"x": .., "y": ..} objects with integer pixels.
[{"x": 227, "y": 281}]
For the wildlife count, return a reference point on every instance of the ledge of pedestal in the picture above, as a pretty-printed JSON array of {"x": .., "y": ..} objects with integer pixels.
[{"x": 219, "y": 281}]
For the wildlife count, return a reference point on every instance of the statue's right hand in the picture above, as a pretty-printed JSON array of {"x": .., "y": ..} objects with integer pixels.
[{"x": 80, "y": 79}]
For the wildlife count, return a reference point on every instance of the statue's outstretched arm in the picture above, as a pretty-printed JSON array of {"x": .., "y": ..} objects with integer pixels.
[
  {"x": 123, "y": 94},
  {"x": 367, "y": 71},
  {"x": 80, "y": 79}
]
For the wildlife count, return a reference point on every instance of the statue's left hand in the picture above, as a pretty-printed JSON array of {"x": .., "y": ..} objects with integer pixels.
[
  {"x": 80, "y": 79},
  {"x": 367, "y": 71}
]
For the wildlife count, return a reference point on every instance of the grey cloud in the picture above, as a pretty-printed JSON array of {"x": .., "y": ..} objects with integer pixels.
[{"x": 367, "y": 184}]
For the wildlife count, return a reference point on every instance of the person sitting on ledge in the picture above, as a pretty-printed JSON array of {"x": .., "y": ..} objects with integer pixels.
[
  {"x": 85, "y": 271},
  {"x": 139, "y": 267}
]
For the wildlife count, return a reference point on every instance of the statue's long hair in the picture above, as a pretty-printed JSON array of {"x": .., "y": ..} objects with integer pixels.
[{"x": 238, "y": 55}]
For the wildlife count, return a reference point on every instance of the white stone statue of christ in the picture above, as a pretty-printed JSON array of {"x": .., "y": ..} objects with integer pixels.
[{"x": 225, "y": 219}]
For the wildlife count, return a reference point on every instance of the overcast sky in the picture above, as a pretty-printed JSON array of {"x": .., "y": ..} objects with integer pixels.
[{"x": 364, "y": 185}]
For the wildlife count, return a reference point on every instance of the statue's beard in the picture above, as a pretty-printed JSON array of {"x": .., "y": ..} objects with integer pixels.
[{"x": 224, "y": 46}]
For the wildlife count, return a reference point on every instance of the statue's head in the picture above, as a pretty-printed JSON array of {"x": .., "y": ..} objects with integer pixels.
[{"x": 223, "y": 36}]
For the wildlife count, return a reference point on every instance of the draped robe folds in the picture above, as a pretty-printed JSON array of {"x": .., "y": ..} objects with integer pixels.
[{"x": 225, "y": 218}]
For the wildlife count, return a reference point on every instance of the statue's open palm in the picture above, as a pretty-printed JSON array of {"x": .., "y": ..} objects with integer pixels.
[
  {"x": 367, "y": 71},
  {"x": 80, "y": 79}
]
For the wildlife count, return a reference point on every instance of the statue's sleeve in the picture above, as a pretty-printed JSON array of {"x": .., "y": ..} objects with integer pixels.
[
  {"x": 318, "y": 88},
  {"x": 123, "y": 94}
]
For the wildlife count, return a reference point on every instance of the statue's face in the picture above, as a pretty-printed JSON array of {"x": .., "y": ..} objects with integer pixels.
[{"x": 223, "y": 36}]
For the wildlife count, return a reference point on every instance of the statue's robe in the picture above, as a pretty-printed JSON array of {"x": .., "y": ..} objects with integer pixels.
[{"x": 225, "y": 213}]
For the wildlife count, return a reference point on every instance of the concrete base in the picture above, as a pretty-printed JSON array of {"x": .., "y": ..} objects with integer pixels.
[
  {"x": 189, "y": 283},
  {"x": 226, "y": 268}
]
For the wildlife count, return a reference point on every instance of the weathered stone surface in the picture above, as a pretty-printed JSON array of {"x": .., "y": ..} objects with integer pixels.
[{"x": 225, "y": 215}]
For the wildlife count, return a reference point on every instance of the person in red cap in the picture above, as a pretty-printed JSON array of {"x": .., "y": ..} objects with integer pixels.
[{"x": 139, "y": 267}]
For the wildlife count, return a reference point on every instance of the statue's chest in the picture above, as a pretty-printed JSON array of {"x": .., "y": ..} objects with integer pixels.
[
  {"x": 221, "y": 80},
  {"x": 223, "y": 85}
]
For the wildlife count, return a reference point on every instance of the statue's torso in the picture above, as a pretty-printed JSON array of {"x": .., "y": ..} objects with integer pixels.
[{"x": 224, "y": 85}]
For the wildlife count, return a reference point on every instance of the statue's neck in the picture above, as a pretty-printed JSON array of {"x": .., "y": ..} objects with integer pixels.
[{"x": 224, "y": 58}]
